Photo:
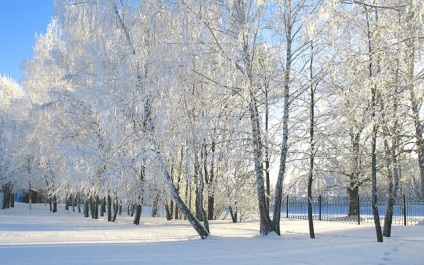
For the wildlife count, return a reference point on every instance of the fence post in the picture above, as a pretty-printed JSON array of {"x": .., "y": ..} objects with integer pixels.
[
  {"x": 287, "y": 206},
  {"x": 358, "y": 210},
  {"x": 319, "y": 206},
  {"x": 404, "y": 209}
]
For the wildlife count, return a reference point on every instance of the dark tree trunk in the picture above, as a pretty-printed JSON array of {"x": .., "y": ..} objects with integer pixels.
[
  {"x": 168, "y": 213},
  {"x": 210, "y": 178},
  {"x": 50, "y": 203},
  {"x": 115, "y": 209},
  {"x": 171, "y": 209},
  {"x": 138, "y": 207},
  {"x": 199, "y": 214},
  {"x": 79, "y": 202},
  {"x": 103, "y": 207},
  {"x": 12, "y": 200},
  {"x": 155, "y": 205},
  {"x": 54, "y": 203},
  {"x": 353, "y": 200},
  {"x": 74, "y": 201},
  {"x": 67, "y": 203},
  {"x": 233, "y": 214},
  {"x": 109, "y": 208},
  {"x": 393, "y": 178},
  {"x": 86, "y": 207},
  {"x": 133, "y": 209}
]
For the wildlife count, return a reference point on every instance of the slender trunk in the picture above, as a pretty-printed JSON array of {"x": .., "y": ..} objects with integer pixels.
[
  {"x": 30, "y": 195},
  {"x": 284, "y": 144},
  {"x": 209, "y": 179},
  {"x": 177, "y": 187},
  {"x": 103, "y": 207},
  {"x": 66, "y": 202},
  {"x": 115, "y": 209},
  {"x": 86, "y": 207},
  {"x": 373, "y": 134},
  {"x": 266, "y": 150},
  {"x": 233, "y": 213},
  {"x": 311, "y": 146},
  {"x": 392, "y": 165},
  {"x": 79, "y": 202},
  {"x": 109, "y": 208},
  {"x": 74, "y": 200}
]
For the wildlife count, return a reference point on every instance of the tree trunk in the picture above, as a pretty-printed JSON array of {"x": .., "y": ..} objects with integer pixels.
[
  {"x": 155, "y": 205},
  {"x": 74, "y": 201},
  {"x": 79, "y": 202},
  {"x": 66, "y": 202},
  {"x": 353, "y": 189},
  {"x": 109, "y": 208},
  {"x": 284, "y": 143},
  {"x": 54, "y": 203},
  {"x": 233, "y": 214},
  {"x": 138, "y": 207},
  {"x": 266, "y": 150},
  {"x": 353, "y": 199},
  {"x": 86, "y": 207},
  {"x": 168, "y": 213},
  {"x": 103, "y": 207},
  {"x": 12, "y": 200},
  {"x": 265, "y": 222},
  {"x": 311, "y": 146},
  {"x": 115, "y": 209}
]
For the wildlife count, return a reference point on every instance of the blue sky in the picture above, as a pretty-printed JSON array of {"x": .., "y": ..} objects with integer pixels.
[{"x": 20, "y": 20}]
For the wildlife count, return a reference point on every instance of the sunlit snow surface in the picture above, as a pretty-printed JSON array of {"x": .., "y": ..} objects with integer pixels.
[{"x": 39, "y": 237}]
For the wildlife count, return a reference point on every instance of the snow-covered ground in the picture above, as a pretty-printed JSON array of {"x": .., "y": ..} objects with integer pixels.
[{"x": 39, "y": 237}]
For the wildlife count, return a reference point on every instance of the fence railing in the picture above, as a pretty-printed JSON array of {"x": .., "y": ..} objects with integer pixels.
[{"x": 406, "y": 210}]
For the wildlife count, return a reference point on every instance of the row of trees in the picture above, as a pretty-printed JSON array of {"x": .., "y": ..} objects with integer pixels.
[{"x": 219, "y": 100}]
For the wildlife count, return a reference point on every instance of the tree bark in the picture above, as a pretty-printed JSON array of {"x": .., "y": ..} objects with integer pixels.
[
  {"x": 86, "y": 207},
  {"x": 284, "y": 144},
  {"x": 137, "y": 217},
  {"x": 311, "y": 146},
  {"x": 109, "y": 208},
  {"x": 373, "y": 133}
]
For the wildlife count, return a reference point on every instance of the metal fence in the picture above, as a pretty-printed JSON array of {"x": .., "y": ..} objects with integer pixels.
[{"x": 406, "y": 210}]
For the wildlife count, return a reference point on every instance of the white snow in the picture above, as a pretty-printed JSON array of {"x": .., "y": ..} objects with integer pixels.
[{"x": 40, "y": 237}]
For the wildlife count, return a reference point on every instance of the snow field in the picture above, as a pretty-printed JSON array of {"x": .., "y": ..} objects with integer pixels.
[{"x": 39, "y": 237}]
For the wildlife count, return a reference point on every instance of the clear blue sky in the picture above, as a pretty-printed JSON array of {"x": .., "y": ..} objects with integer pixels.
[{"x": 20, "y": 20}]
